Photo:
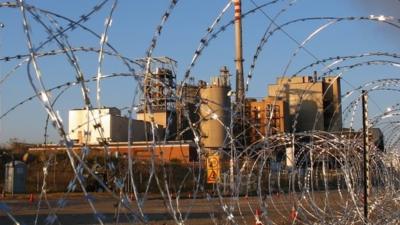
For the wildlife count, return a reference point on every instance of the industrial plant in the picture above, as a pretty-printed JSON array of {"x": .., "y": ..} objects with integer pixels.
[
  {"x": 200, "y": 121},
  {"x": 173, "y": 121},
  {"x": 178, "y": 117},
  {"x": 122, "y": 135}
]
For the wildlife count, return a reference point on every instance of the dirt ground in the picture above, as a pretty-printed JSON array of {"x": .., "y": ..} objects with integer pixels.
[{"x": 155, "y": 209}]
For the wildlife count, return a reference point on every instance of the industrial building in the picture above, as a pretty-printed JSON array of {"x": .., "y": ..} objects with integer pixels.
[
  {"x": 315, "y": 104},
  {"x": 104, "y": 125},
  {"x": 206, "y": 106},
  {"x": 159, "y": 102},
  {"x": 295, "y": 104},
  {"x": 187, "y": 109},
  {"x": 266, "y": 117},
  {"x": 304, "y": 101}
]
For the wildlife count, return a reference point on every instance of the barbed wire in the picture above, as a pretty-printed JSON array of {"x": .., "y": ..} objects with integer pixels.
[{"x": 288, "y": 177}]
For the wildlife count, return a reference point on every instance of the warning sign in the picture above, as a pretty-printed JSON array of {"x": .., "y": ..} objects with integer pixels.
[
  {"x": 213, "y": 176},
  {"x": 213, "y": 169}
]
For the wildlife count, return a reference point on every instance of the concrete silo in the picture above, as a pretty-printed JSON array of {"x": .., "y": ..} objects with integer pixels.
[{"x": 215, "y": 111}]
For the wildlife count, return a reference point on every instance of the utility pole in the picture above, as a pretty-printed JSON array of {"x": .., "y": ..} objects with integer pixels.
[{"x": 364, "y": 99}]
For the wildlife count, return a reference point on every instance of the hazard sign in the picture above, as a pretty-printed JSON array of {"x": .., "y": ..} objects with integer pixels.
[{"x": 213, "y": 169}]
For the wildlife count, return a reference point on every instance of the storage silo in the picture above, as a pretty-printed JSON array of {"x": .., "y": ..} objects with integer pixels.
[{"x": 215, "y": 111}]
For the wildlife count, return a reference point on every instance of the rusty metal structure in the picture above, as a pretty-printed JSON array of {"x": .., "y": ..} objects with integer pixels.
[{"x": 160, "y": 84}]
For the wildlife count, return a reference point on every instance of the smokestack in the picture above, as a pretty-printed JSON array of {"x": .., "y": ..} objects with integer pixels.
[
  {"x": 239, "y": 55},
  {"x": 240, "y": 98}
]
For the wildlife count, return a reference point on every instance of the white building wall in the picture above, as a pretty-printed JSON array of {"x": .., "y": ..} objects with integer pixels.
[
  {"x": 84, "y": 125},
  {"x": 114, "y": 127}
]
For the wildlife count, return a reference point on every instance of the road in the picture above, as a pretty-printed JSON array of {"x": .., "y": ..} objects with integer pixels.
[{"x": 201, "y": 211}]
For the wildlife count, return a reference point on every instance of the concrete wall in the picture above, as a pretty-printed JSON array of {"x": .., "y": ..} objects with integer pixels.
[
  {"x": 82, "y": 125},
  {"x": 166, "y": 122},
  {"x": 317, "y": 103},
  {"x": 160, "y": 118},
  {"x": 306, "y": 99},
  {"x": 119, "y": 129},
  {"x": 105, "y": 124},
  {"x": 333, "y": 108}
]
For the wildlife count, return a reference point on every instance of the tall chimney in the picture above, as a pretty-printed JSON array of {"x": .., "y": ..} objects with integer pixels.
[
  {"x": 239, "y": 125},
  {"x": 239, "y": 56}
]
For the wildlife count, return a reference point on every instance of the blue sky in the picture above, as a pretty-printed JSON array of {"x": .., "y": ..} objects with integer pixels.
[{"x": 134, "y": 23}]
